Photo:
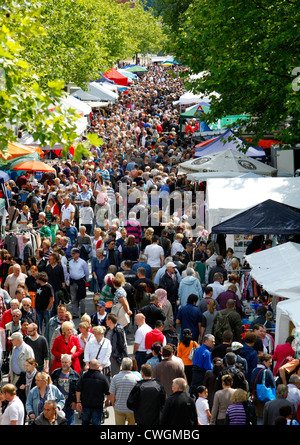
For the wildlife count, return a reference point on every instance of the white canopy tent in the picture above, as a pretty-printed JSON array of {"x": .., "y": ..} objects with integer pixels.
[
  {"x": 96, "y": 92},
  {"x": 287, "y": 319},
  {"x": 190, "y": 98},
  {"x": 277, "y": 270},
  {"x": 204, "y": 176},
  {"x": 77, "y": 105},
  {"x": 227, "y": 196},
  {"x": 228, "y": 160}
]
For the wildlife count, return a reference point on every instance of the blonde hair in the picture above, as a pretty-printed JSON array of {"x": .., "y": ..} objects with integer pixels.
[
  {"x": 44, "y": 376},
  {"x": 99, "y": 330},
  {"x": 46, "y": 242},
  {"x": 15, "y": 301},
  {"x": 148, "y": 233},
  {"x": 86, "y": 318},
  {"x": 65, "y": 326},
  {"x": 239, "y": 396},
  {"x": 211, "y": 306},
  {"x": 121, "y": 277}
]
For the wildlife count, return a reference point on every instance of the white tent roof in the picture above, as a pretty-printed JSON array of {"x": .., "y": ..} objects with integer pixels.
[
  {"x": 190, "y": 98},
  {"x": 77, "y": 105},
  {"x": 107, "y": 92},
  {"x": 278, "y": 269},
  {"x": 203, "y": 176},
  {"x": 226, "y": 196},
  {"x": 287, "y": 318},
  {"x": 96, "y": 92}
]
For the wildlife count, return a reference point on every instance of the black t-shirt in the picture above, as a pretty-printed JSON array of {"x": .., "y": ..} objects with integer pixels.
[
  {"x": 40, "y": 348},
  {"x": 42, "y": 297}
]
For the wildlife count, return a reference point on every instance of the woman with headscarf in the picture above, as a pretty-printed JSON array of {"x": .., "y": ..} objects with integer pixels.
[{"x": 168, "y": 311}]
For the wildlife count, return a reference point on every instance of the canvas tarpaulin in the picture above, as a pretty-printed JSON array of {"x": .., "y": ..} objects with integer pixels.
[{"x": 268, "y": 217}]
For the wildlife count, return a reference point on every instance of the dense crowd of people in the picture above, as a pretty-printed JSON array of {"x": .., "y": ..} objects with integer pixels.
[{"x": 107, "y": 225}]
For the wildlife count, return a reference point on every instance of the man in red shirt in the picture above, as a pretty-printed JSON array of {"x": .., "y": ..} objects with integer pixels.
[{"x": 155, "y": 335}]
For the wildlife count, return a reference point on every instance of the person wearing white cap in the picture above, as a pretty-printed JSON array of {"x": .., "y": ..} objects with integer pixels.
[{"x": 20, "y": 353}]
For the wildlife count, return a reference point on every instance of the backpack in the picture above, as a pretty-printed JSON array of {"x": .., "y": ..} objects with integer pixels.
[
  {"x": 28, "y": 200},
  {"x": 221, "y": 324},
  {"x": 102, "y": 198},
  {"x": 64, "y": 295}
]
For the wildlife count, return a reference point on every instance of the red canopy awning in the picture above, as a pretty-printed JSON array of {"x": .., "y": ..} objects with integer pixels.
[
  {"x": 265, "y": 143},
  {"x": 117, "y": 77}
]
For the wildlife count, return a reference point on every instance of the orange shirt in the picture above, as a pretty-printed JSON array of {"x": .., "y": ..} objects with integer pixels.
[{"x": 183, "y": 352}]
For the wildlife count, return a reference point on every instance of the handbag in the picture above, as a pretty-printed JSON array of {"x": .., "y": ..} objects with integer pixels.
[
  {"x": 115, "y": 309},
  {"x": 263, "y": 393},
  {"x": 192, "y": 352}
]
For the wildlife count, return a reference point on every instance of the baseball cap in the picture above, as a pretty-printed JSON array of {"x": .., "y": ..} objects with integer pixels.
[
  {"x": 170, "y": 264},
  {"x": 235, "y": 345},
  {"x": 16, "y": 336}
]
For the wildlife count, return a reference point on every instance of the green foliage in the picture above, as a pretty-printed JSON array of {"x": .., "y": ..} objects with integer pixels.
[
  {"x": 144, "y": 31},
  {"x": 23, "y": 103},
  {"x": 249, "y": 50},
  {"x": 81, "y": 149}
]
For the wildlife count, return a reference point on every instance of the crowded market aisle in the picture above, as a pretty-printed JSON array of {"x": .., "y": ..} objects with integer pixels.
[{"x": 111, "y": 286}]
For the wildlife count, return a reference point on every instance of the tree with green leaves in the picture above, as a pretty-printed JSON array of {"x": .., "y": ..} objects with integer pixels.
[
  {"x": 23, "y": 103},
  {"x": 250, "y": 51},
  {"x": 81, "y": 40},
  {"x": 144, "y": 31}
]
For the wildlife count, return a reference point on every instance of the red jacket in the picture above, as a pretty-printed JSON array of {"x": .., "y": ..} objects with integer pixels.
[
  {"x": 6, "y": 318},
  {"x": 152, "y": 337},
  {"x": 60, "y": 347}
]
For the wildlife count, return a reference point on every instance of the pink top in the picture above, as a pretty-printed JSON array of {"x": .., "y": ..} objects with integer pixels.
[{"x": 280, "y": 353}]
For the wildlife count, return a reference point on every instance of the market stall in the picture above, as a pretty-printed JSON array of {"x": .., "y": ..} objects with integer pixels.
[{"x": 277, "y": 270}]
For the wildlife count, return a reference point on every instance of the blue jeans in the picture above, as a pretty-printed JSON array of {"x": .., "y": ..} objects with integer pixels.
[
  {"x": 140, "y": 357},
  {"x": 91, "y": 416},
  {"x": 43, "y": 316},
  {"x": 70, "y": 415}
]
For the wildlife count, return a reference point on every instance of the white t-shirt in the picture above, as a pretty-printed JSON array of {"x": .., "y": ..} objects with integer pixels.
[
  {"x": 139, "y": 337},
  {"x": 67, "y": 211},
  {"x": 13, "y": 412},
  {"x": 154, "y": 252},
  {"x": 201, "y": 407}
]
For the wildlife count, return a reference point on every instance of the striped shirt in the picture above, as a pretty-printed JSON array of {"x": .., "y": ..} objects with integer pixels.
[
  {"x": 121, "y": 386},
  {"x": 236, "y": 414},
  {"x": 133, "y": 227},
  {"x": 105, "y": 175}
]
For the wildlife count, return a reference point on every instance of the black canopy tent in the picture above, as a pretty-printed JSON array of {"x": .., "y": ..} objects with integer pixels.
[{"x": 268, "y": 217}]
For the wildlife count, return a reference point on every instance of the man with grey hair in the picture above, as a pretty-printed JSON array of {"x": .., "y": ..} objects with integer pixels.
[
  {"x": 13, "y": 280},
  {"x": 231, "y": 368},
  {"x": 120, "y": 388},
  {"x": 51, "y": 415},
  {"x": 15, "y": 324},
  {"x": 293, "y": 390},
  {"x": 27, "y": 250},
  {"x": 162, "y": 270},
  {"x": 202, "y": 362},
  {"x": 65, "y": 379},
  {"x": 180, "y": 408},
  {"x": 20, "y": 353},
  {"x": 142, "y": 262},
  {"x": 271, "y": 409}
]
